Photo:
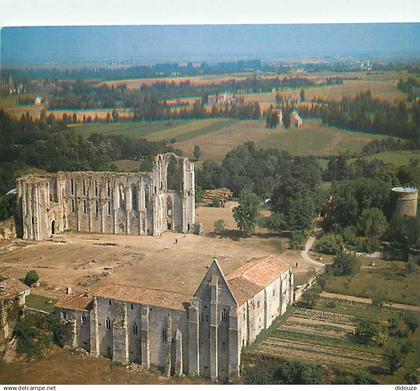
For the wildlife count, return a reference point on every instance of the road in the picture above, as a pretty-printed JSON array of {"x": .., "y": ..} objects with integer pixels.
[
  {"x": 365, "y": 300},
  {"x": 305, "y": 253}
]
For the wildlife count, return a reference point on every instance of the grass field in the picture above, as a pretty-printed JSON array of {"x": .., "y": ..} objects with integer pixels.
[
  {"x": 315, "y": 139},
  {"x": 217, "y": 136},
  {"x": 398, "y": 158},
  {"x": 40, "y": 302},
  {"x": 387, "y": 276}
]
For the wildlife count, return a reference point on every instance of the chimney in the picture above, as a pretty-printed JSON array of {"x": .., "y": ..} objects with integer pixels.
[{"x": 68, "y": 290}]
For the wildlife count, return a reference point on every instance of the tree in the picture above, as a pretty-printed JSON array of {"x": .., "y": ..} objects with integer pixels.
[
  {"x": 371, "y": 224},
  {"x": 330, "y": 244},
  {"x": 302, "y": 95},
  {"x": 247, "y": 213},
  {"x": 197, "y": 152},
  {"x": 346, "y": 265},
  {"x": 108, "y": 117},
  {"x": 379, "y": 299},
  {"x": 219, "y": 226},
  {"x": 31, "y": 278},
  {"x": 276, "y": 222},
  {"x": 310, "y": 297},
  {"x": 394, "y": 358}
]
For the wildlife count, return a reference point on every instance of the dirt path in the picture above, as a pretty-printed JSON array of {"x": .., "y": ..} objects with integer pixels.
[
  {"x": 405, "y": 307},
  {"x": 305, "y": 253}
]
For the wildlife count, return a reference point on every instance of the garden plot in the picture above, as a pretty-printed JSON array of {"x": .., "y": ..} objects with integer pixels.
[{"x": 319, "y": 337}]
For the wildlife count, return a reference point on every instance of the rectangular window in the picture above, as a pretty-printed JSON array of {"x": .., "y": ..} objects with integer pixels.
[
  {"x": 164, "y": 336},
  {"x": 274, "y": 292},
  {"x": 258, "y": 304},
  {"x": 109, "y": 208},
  {"x": 109, "y": 302},
  {"x": 132, "y": 306},
  {"x": 85, "y": 208},
  {"x": 84, "y": 187},
  {"x": 73, "y": 206},
  {"x": 72, "y": 186},
  {"x": 96, "y": 188}
]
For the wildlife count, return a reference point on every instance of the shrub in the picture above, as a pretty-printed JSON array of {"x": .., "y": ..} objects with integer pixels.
[
  {"x": 369, "y": 332},
  {"x": 396, "y": 328},
  {"x": 410, "y": 267},
  {"x": 310, "y": 297},
  {"x": 330, "y": 244},
  {"x": 346, "y": 265},
  {"x": 219, "y": 226},
  {"x": 411, "y": 321},
  {"x": 7, "y": 206},
  {"x": 394, "y": 358},
  {"x": 31, "y": 278},
  {"x": 36, "y": 333},
  {"x": 296, "y": 372},
  {"x": 296, "y": 238}
]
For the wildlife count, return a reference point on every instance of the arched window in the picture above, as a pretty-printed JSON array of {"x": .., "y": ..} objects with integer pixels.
[
  {"x": 164, "y": 336},
  {"x": 108, "y": 324},
  {"x": 97, "y": 208},
  {"x": 84, "y": 319},
  {"x": 135, "y": 328},
  {"x": 121, "y": 197},
  {"x": 134, "y": 197},
  {"x": 109, "y": 189},
  {"x": 72, "y": 186},
  {"x": 146, "y": 196},
  {"x": 109, "y": 208},
  {"x": 225, "y": 315},
  {"x": 96, "y": 188},
  {"x": 84, "y": 187}
]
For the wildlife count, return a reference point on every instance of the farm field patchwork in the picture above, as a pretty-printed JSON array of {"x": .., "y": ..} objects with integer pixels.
[{"x": 321, "y": 337}]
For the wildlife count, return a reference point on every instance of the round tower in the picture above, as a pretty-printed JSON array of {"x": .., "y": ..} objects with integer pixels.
[{"x": 406, "y": 201}]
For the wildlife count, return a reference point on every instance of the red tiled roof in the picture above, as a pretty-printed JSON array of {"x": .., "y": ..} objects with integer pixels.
[
  {"x": 254, "y": 276},
  {"x": 75, "y": 301},
  {"x": 11, "y": 288},
  {"x": 146, "y": 296}
]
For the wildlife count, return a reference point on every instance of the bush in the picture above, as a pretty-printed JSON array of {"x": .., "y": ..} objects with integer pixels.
[
  {"x": 330, "y": 244},
  {"x": 219, "y": 226},
  {"x": 346, "y": 265},
  {"x": 370, "y": 333},
  {"x": 7, "y": 206},
  {"x": 411, "y": 321},
  {"x": 296, "y": 372},
  {"x": 396, "y": 328},
  {"x": 394, "y": 358},
  {"x": 310, "y": 297},
  {"x": 31, "y": 278},
  {"x": 296, "y": 238},
  {"x": 36, "y": 333}
]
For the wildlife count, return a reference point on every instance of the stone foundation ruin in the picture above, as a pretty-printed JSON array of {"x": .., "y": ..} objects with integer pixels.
[{"x": 110, "y": 202}]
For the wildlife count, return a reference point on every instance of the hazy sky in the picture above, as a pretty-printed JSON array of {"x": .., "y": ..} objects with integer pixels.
[{"x": 145, "y": 44}]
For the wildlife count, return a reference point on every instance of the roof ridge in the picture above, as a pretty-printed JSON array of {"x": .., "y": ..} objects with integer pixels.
[{"x": 138, "y": 287}]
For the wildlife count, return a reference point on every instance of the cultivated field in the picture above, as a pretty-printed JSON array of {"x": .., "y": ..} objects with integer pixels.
[{"x": 318, "y": 337}]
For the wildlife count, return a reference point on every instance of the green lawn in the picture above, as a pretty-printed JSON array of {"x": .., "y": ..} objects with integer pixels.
[
  {"x": 40, "y": 302},
  {"x": 318, "y": 140},
  {"x": 387, "y": 276},
  {"x": 398, "y": 158}
]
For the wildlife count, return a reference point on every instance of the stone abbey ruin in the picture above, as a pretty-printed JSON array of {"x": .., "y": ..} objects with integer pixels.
[{"x": 110, "y": 202}]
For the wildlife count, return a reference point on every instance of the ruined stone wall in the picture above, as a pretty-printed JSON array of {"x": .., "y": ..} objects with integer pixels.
[
  {"x": 81, "y": 326},
  {"x": 151, "y": 336},
  {"x": 106, "y": 202}
]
